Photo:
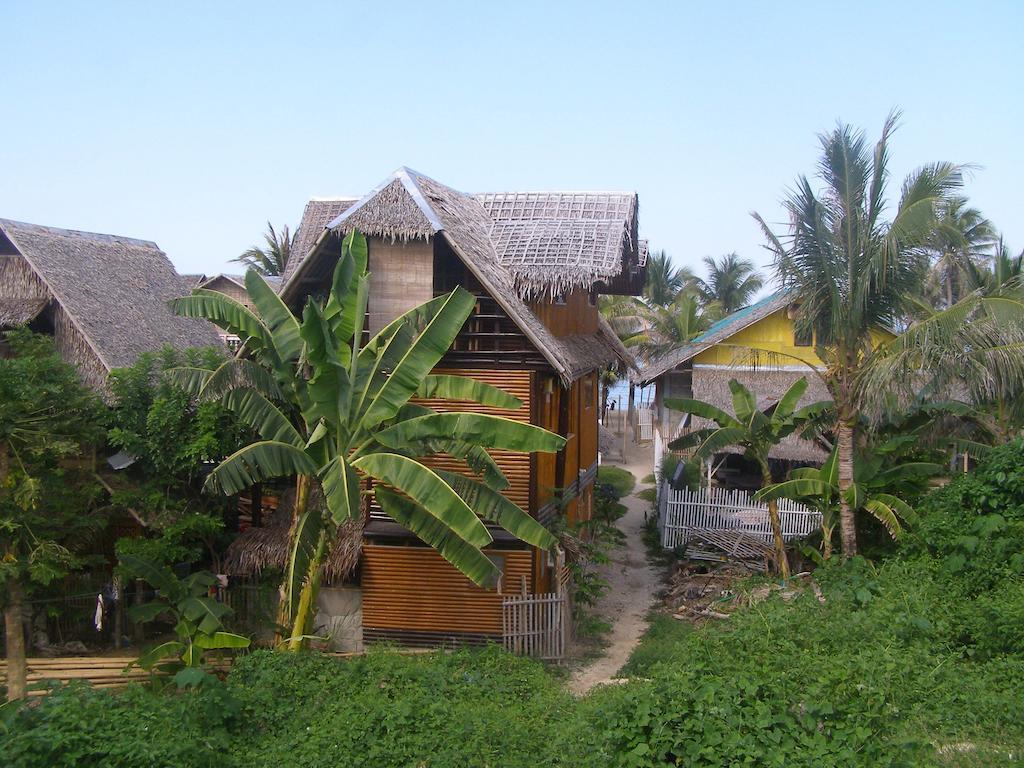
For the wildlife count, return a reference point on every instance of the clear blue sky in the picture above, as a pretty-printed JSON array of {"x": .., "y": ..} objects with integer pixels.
[{"x": 192, "y": 124}]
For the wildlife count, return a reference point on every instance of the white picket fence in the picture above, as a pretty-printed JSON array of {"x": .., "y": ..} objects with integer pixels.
[{"x": 718, "y": 509}]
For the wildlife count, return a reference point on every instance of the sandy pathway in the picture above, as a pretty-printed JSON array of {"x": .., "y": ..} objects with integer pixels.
[{"x": 632, "y": 587}]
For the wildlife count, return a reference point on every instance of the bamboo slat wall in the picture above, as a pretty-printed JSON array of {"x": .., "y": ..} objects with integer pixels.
[
  {"x": 415, "y": 589},
  {"x": 516, "y": 466},
  {"x": 402, "y": 278}
]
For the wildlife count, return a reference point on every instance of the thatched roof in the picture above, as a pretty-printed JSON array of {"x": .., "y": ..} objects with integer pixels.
[
  {"x": 115, "y": 290},
  {"x": 319, "y": 212},
  {"x": 409, "y": 205},
  {"x": 268, "y": 547},
  {"x": 768, "y": 385},
  {"x": 717, "y": 333}
]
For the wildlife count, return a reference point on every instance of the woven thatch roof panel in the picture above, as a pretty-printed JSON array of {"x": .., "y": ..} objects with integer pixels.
[
  {"x": 712, "y": 386},
  {"x": 315, "y": 218},
  {"x": 717, "y": 333},
  {"x": 115, "y": 290},
  {"x": 14, "y": 312},
  {"x": 555, "y": 241},
  {"x": 394, "y": 210}
]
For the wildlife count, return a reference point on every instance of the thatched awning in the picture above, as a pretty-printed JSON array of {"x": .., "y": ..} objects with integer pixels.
[
  {"x": 712, "y": 386},
  {"x": 259, "y": 548},
  {"x": 15, "y": 312}
]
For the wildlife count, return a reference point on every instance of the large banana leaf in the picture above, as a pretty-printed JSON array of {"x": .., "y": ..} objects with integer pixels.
[
  {"x": 254, "y": 410},
  {"x": 473, "y": 563},
  {"x": 258, "y": 462},
  {"x": 159, "y": 577},
  {"x": 491, "y": 505},
  {"x": 701, "y": 409},
  {"x": 341, "y": 306},
  {"x": 420, "y": 358},
  {"x": 221, "y": 640},
  {"x": 795, "y": 488},
  {"x": 305, "y": 537},
  {"x": 466, "y": 388},
  {"x": 284, "y": 328},
  {"x": 743, "y": 402},
  {"x": 170, "y": 649},
  {"x": 341, "y": 489},
  {"x": 476, "y": 428},
  {"x": 788, "y": 402},
  {"x": 189, "y": 378},
  {"x": 719, "y": 439},
  {"x": 427, "y": 489},
  {"x": 240, "y": 373},
  {"x": 476, "y": 458},
  {"x": 205, "y": 612},
  {"x": 225, "y": 313}
]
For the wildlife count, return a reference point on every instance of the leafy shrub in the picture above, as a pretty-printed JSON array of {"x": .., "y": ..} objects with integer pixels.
[
  {"x": 620, "y": 479},
  {"x": 80, "y": 727}
]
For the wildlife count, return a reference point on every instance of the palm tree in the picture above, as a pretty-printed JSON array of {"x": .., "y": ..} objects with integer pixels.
[
  {"x": 853, "y": 277},
  {"x": 961, "y": 241},
  {"x": 272, "y": 259},
  {"x": 664, "y": 280},
  {"x": 333, "y": 411},
  {"x": 1005, "y": 272},
  {"x": 731, "y": 283},
  {"x": 754, "y": 430},
  {"x": 666, "y": 328}
]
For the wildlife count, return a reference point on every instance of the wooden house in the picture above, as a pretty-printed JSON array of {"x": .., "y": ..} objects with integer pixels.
[
  {"x": 759, "y": 347},
  {"x": 104, "y": 298},
  {"x": 232, "y": 286},
  {"x": 536, "y": 263}
]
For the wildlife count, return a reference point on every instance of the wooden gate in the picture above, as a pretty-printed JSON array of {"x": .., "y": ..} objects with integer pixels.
[
  {"x": 644, "y": 424},
  {"x": 538, "y": 625}
]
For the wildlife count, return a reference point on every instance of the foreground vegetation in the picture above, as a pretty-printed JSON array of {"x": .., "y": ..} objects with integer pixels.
[{"x": 917, "y": 659}]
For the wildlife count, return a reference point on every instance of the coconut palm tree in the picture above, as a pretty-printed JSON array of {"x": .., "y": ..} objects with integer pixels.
[
  {"x": 334, "y": 412},
  {"x": 664, "y": 281},
  {"x": 271, "y": 259},
  {"x": 756, "y": 431},
  {"x": 962, "y": 240},
  {"x": 1004, "y": 273},
  {"x": 853, "y": 276},
  {"x": 666, "y": 328},
  {"x": 731, "y": 283}
]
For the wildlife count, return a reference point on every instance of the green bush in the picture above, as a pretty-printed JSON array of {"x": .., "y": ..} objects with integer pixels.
[
  {"x": 80, "y": 727},
  {"x": 620, "y": 479}
]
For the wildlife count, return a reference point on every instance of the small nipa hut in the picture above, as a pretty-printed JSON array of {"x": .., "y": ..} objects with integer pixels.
[{"x": 103, "y": 298}]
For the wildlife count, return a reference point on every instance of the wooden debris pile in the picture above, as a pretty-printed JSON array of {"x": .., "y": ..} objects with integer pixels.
[{"x": 697, "y": 591}]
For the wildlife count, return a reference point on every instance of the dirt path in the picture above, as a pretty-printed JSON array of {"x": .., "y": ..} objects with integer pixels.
[{"x": 632, "y": 588}]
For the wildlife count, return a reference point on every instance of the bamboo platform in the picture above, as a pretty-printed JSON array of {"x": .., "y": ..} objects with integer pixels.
[{"x": 109, "y": 671}]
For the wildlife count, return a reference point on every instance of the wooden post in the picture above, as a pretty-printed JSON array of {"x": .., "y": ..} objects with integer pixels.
[{"x": 118, "y": 623}]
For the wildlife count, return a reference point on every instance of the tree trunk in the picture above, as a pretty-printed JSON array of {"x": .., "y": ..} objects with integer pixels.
[
  {"x": 306, "y": 611},
  {"x": 773, "y": 517},
  {"x": 284, "y": 614},
  {"x": 847, "y": 522},
  {"x": 826, "y": 541},
  {"x": 17, "y": 669}
]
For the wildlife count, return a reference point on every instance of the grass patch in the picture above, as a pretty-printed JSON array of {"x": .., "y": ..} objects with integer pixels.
[
  {"x": 620, "y": 479},
  {"x": 648, "y": 479},
  {"x": 648, "y": 494}
]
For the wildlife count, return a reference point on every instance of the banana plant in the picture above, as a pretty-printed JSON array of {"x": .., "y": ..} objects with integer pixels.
[
  {"x": 335, "y": 412},
  {"x": 754, "y": 430},
  {"x": 198, "y": 621},
  {"x": 877, "y": 472}
]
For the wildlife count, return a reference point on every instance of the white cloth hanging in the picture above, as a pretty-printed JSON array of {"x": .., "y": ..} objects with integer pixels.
[{"x": 98, "y": 619}]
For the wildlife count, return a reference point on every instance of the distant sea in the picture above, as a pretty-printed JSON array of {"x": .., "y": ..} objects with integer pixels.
[{"x": 619, "y": 393}]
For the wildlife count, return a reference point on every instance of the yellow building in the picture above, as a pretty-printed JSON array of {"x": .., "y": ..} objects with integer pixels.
[{"x": 759, "y": 347}]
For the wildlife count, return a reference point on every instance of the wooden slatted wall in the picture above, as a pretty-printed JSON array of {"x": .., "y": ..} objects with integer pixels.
[
  {"x": 415, "y": 589},
  {"x": 516, "y": 466}
]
